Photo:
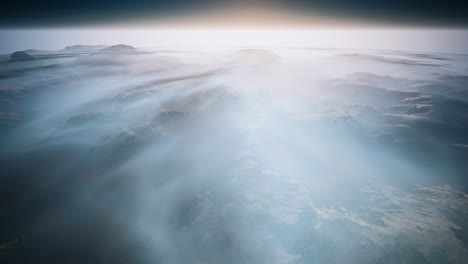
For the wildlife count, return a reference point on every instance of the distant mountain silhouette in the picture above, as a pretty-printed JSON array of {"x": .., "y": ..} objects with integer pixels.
[
  {"x": 21, "y": 56},
  {"x": 119, "y": 48},
  {"x": 83, "y": 48},
  {"x": 34, "y": 52}
]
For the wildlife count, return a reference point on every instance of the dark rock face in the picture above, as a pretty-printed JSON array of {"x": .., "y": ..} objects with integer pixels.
[{"x": 21, "y": 56}]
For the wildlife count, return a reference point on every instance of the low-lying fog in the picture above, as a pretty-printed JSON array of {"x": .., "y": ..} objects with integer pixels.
[{"x": 196, "y": 155}]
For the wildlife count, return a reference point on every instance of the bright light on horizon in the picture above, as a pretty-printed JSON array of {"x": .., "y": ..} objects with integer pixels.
[{"x": 411, "y": 39}]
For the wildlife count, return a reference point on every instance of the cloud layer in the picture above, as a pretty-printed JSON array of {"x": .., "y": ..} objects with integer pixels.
[{"x": 190, "y": 155}]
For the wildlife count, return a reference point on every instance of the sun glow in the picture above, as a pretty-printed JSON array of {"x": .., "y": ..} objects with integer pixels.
[{"x": 434, "y": 40}]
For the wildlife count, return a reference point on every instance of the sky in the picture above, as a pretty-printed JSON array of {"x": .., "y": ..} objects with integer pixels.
[
  {"x": 427, "y": 26},
  {"x": 35, "y": 13}
]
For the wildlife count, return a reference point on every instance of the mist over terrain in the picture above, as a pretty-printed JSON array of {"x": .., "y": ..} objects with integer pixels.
[{"x": 116, "y": 154}]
